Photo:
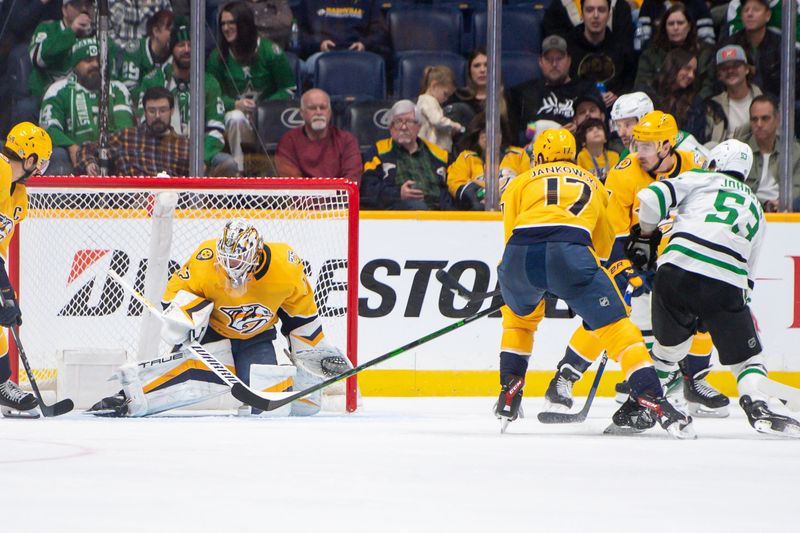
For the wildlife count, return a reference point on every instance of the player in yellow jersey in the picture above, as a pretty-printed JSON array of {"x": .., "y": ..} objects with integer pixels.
[
  {"x": 26, "y": 153},
  {"x": 557, "y": 231},
  {"x": 653, "y": 159},
  {"x": 229, "y": 297}
]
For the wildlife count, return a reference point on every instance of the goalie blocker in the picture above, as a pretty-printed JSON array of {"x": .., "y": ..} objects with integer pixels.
[{"x": 229, "y": 297}]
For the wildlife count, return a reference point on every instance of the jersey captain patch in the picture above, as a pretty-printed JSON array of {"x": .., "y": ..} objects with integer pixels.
[
  {"x": 205, "y": 254},
  {"x": 247, "y": 317}
]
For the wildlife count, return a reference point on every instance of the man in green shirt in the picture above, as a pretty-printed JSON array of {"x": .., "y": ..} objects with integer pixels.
[
  {"x": 174, "y": 76},
  {"x": 70, "y": 109}
]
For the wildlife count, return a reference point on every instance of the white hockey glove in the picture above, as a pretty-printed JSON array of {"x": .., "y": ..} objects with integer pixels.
[
  {"x": 186, "y": 318},
  {"x": 316, "y": 356}
]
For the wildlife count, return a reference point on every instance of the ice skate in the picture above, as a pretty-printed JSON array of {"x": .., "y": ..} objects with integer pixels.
[
  {"x": 15, "y": 402},
  {"x": 704, "y": 400},
  {"x": 766, "y": 421},
  {"x": 509, "y": 403},
  {"x": 642, "y": 413},
  {"x": 558, "y": 397},
  {"x": 112, "y": 406}
]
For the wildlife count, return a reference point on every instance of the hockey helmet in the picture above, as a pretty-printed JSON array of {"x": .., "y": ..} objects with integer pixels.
[
  {"x": 554, "y": 145},
  {"x": 656, "y": 126},
  {"x": 238, "y": 250},
  {"x": 27, "y": 139},
  {"x": 631, "y": 105},
  {"x": 731, "y": 156}
]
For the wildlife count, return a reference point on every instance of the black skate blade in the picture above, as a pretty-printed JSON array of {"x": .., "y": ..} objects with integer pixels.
[{"x": 614, "y": 429}]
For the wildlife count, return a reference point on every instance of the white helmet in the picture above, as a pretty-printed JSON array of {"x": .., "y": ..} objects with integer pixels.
[
  {"x": 731, "y": 156},
  {"x": 238, "y": 250},
  {"x": 631, "y": 105}
]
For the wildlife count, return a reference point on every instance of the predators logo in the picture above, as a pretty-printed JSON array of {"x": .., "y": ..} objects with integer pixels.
[
  {"x": 247, "y": 318},
  {"x": 6, "y": 226}
]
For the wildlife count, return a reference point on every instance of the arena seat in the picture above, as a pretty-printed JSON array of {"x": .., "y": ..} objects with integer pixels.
[
  {"x": 276, "y": 117},
  {"x": 518, "y": 67},
  {"x": 521, "y": 28},
  {"x": 421, "y": 27},
  {"x": 368, "y": 121},
  {"x": 351, "y": 75},
  {"x": 410, "y": 66}
]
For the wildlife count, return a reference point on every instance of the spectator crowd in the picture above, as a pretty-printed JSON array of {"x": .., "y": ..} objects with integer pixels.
[{"x": 713, "y": 64}]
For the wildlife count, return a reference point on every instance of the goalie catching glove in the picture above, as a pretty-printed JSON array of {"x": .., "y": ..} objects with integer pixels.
[
  {"x": 643, "y": 250},
  {"x": 310, "y": 351},
  {"x": 186, "y": 318}
]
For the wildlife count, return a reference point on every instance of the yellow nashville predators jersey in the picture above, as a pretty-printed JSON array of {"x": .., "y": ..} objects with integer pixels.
[
  {"x": 627, "y": 178},
  {"x": 13, "y": 205},
  {"x": 558, "y": 202},
  {"x": 468, "y": 167},
  {"x": 278, "y": 283}
]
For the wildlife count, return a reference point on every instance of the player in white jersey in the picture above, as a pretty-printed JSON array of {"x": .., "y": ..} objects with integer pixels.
[{"x": 706, "y": 272}]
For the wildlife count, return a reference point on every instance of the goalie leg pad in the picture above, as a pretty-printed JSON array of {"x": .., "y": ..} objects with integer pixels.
[
  {"x": 173, "y": 381},
  {"x": 274, "y": 378},
  {"x": 311, "y": 404}
]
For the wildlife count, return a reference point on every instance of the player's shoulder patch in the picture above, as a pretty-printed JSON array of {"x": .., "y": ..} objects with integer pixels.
[
  {"x": 623, "y": 164},
  {"x": 205, "y": 254},
  {"x": 293, "y": 258}
]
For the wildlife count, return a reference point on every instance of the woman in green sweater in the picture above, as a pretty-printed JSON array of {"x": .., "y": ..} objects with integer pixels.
[{"x": 249, "y": 69}]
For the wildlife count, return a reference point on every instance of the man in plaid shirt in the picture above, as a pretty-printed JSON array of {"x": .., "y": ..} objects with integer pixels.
[{"x": 147, "y": 149}]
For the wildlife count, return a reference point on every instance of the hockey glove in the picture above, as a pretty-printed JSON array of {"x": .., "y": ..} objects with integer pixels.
[
  {"x": 10, "y": 314},
  {"x": 642, "y": 251},
  {"x": 631, "y": 282}
]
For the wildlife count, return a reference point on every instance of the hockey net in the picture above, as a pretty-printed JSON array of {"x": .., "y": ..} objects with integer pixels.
[{"x": 144, "y": 229}]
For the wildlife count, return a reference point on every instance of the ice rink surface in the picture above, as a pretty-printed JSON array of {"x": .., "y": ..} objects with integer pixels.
[{"x": 398, "y": 465}]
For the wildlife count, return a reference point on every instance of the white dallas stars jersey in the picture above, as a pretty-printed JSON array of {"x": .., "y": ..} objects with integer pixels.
[{"x": 718, "y": 228}]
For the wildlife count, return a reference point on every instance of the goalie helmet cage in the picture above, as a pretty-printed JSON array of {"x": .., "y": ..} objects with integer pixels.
[{"x": 144, "y": 229}]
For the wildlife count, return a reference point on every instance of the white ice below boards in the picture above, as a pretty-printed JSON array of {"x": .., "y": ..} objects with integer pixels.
[{"x": 397, "y": 465}]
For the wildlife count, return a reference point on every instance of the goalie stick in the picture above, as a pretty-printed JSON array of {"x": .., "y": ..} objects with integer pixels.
[
  {"x": 58, "y": 408},
  {"x": 580, "y": 416}
]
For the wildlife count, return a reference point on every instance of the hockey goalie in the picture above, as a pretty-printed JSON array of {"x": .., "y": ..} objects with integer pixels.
[{"x": 229, "y": 297}]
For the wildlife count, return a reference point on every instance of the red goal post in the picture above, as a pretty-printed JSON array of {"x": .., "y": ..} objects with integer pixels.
[{"x": 144, "y": 228}]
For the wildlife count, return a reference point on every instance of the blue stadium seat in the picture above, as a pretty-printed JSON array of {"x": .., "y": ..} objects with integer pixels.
[
  {"x": 276, "y": 117},
  {"x": 411, "y": 64},
  {"x": 521, "y": 29},
  {"x": 420, "y": 27},
  {"x": 351, "y": 75},
  {"x": 368, "y": 121},
  {"x": 518, "y": 67}
]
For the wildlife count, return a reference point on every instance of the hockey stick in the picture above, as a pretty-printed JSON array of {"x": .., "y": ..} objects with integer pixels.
[
  {"x": 580, "y": 416},
  {"x": 58, "y": 408},
  {"x": 257, "y": 400},
  {"x": 449, "y": 282}
]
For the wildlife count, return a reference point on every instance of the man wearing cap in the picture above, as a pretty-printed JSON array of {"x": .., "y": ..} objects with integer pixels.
[
  {"x": 174, "y": 76},
  {"x": 405, "y": 172},
  {"x": 70, "y": 107},
  {"x": 762, "y": 46},
  {"x": 552, "y": 97},
  {"x": 728, "y": 115},
  {"x": 52, "y": 42}
]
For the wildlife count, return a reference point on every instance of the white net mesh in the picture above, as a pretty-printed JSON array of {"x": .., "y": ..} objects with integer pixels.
[{"x": 144, "y": 232}]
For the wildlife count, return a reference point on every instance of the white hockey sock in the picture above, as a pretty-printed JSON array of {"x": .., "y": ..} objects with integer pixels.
[{"x": 748, "y": 376}]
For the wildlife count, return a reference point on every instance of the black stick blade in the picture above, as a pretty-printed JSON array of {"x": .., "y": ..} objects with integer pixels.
[{"x": 57, "y": 409}]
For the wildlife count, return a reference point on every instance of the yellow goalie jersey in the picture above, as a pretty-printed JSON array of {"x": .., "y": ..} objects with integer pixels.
[
  {"x": 13, "y": 205},
  {"x": 278, "y": 284},
  {"x": 627, "y": 178},
  {"x": 558, "y": 202}
]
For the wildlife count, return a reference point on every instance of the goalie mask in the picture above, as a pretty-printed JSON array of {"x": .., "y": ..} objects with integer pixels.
[{"x": 238, "y": 251}]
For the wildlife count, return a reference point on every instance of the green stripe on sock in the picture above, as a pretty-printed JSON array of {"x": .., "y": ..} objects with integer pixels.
[{"x": 750, "y": 371}]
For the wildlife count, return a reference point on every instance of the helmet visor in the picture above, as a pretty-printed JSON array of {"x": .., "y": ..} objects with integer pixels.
[{"x": 645, "y": 148}]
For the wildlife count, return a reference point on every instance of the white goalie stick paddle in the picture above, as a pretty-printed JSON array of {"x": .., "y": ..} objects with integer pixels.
[{"x": 196, "y": 349}]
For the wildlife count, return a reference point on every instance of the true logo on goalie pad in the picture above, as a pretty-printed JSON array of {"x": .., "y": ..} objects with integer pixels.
[{"x": 248, "y": 317}]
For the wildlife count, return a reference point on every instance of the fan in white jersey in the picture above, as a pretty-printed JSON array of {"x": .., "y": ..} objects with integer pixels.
[{"x": 706, "y": 273}]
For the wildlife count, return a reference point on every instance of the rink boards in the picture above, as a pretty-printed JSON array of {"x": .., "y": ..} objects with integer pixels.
[{"x": 400, "y": 300}]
